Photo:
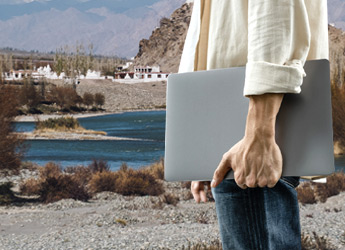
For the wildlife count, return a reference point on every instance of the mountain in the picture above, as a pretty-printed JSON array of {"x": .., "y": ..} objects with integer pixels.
[
  {"x": 165, "y": 45},
  {"x": 114, "y": 27}
]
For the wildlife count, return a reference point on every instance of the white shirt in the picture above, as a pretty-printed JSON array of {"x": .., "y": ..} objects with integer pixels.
[{"x": 272, "y": 38}]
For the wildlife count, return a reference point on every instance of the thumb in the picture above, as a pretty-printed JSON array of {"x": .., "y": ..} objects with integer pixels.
[{"x": 221, "y": 171}]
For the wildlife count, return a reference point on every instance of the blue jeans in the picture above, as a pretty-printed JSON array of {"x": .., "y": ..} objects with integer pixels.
[{"x": 258, "y": 218}]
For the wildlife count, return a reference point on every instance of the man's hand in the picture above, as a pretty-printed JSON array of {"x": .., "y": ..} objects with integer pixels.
[
  {"x": 198, "y": 190},
  {"x": 256, "y": 160}
]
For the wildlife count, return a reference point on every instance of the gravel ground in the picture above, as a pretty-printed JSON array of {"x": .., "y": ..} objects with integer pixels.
[
  {"x": 112, "y": 221},
  {"x": 122, "y": 96}
]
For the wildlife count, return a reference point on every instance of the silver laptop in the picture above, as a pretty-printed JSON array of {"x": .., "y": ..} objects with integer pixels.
[{"x": 206, "y": 115}]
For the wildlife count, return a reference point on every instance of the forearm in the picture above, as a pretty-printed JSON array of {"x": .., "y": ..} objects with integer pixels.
[{"x": 262, "y": 113}]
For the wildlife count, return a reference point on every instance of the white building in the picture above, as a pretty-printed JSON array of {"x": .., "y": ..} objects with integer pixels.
[{"x": 141, "y": 74}]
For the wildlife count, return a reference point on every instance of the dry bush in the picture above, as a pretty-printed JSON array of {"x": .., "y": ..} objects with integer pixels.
[
  {"x": 103, "y": 181},
  {"x": 65, "y": 97},
  {"x": 6, "y": 194},
  {"x": 50, "y": 170},
  {"x": 170, "y": 199},
  {"x": 156, "y": 169},
  {"x": 28, "y": 95},
  {"x": 306, "y": 194},
  {"x": 80, "y": 174},
  {"x": 137, "y": 182},
  {"x": 30, "y": 187},
  {"x": 88, "y": 99},
  {"x": 12, "y": 147},
  {"x": 62, "y": 187},
  {"x": 310, "y": 192},
  {"x": 316, "y": 243},
  {"x": 216, "y": 245},
  {"x": 54, "y": 185},
  {"x": 99, "y": 166},
  {"x": 334, "y": 185},
  {"x": 67, "y": 122},
  {"x": 99, "y": 99}
]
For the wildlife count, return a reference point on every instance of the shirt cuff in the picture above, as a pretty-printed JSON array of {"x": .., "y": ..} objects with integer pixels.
[{"x": 264, "y": 77}]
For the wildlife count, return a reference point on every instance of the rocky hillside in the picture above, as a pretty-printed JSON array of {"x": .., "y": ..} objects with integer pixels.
[
  {"x": 165, "y": 45},
  {"x": 337, "y": 53}
]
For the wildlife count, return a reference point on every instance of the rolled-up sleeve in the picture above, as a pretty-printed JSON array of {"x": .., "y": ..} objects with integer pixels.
[{"x": 278, "y": 45}]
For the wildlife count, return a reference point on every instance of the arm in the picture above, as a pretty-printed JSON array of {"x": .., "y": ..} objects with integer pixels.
[{"x": 278, "y": 45}]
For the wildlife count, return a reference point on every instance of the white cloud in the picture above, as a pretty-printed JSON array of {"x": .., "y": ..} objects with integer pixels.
[{"x": 13, "y": 2}]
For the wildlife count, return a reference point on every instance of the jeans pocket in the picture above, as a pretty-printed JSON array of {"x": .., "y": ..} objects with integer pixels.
[{"x": 292, "y": 181}]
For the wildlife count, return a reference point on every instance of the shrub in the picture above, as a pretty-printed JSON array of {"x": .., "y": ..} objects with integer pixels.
[
  {"x": 30, "y": 187},
  {"x": 65, "y": 97},
  {"x": 311, "y": 192},
  {"x": 6, "y": 194},
  {"x": 216, "y": 245},
  {"x": 50, "y": 170},
  {"x": 80, "y": 174},
  {"x": 305, "y": 194},
  {"x": 62, "y": 187},
  {"x": 156, "y": 169},
  {"x": 319, "y": 242},
  {"x": 28, "y": 95},
  {"x": 88, "y": 99},
  {"x": 99, "y": 99},
  {"x": 99, "y": 166},
  {"x": 103, "y": 181},
  {"x": 12, "y": 146},
  {"x": 58, "y": 123},
  {"x": 137, "y": 182},
  {"x": 170, "y": 199}
]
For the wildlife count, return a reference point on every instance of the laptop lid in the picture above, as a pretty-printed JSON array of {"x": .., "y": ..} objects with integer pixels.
[{"x": 206, "y": 115}]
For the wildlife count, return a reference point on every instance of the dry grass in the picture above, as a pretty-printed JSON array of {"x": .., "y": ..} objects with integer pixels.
[
  {"x": 316, "y": 242},
  {"x": 306, "y": 193},
  {"x": 216, "y": 245},
  {"x": 53, "y": 185},
  {"x": 103, "y": 181},
  {"x": 137, "y": 182},
  {"x": 156, "y": 169}
]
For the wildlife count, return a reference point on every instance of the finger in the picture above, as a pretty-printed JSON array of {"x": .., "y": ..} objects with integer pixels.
[
  {"x": 251, "y": 181},
  {"x": 262, "y": 181},
  {"x": 195, "y": 191},
  {"x": 243, "y": 186},
  {"x": 203, "y": 196},
  {"x": 239, "y": 179},
  {"x": 221, "y": 171},
  {"x": 272, "y": 181}
]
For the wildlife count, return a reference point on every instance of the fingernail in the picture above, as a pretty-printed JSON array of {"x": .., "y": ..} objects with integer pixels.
[{"x": 213, "y": 183}]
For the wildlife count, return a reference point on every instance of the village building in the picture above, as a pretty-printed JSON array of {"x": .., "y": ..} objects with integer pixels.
[{"x": 141, "y": 74}]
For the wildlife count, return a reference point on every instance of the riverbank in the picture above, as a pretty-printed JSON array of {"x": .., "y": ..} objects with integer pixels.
[
  {"x": 42, "y": 117},
  {"x": 113, "y": 221}
]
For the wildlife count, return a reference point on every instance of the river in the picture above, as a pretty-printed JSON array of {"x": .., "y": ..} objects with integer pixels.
[{"x": 148, "y": 126}]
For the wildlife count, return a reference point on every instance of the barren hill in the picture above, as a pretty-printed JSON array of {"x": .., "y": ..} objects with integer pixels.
[{"x": 165, "y": 45}]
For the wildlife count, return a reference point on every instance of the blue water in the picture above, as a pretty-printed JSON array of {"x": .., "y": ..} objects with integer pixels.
[{"x": 148, "y": 126}]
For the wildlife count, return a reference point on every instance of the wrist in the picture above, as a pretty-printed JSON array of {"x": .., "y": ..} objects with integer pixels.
[{"x": 262, "y": 113}]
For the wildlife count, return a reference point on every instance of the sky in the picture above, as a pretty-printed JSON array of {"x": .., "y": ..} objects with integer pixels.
[{"x": 12, "y": 8}]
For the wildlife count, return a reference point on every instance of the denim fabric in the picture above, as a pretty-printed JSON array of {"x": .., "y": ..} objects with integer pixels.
[{"x": 258, "y": 218}]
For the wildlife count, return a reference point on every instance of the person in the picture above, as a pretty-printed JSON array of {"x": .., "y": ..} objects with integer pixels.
[{"x": 273, "y": 39}]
